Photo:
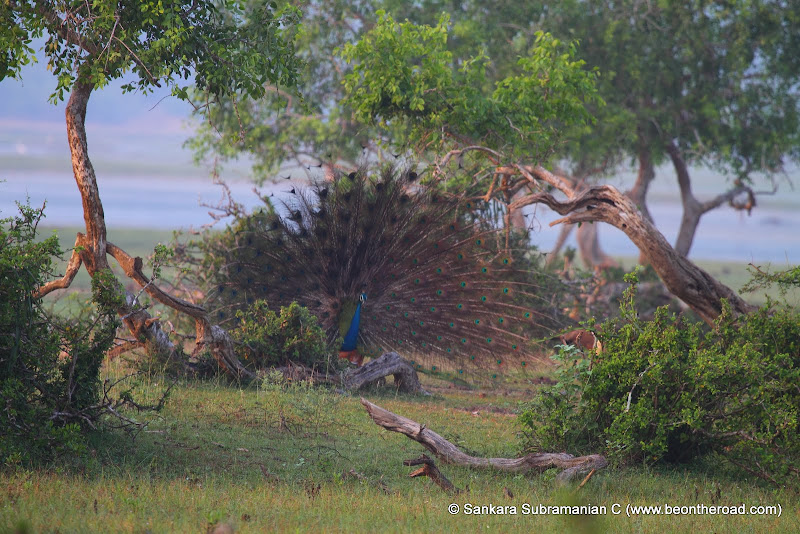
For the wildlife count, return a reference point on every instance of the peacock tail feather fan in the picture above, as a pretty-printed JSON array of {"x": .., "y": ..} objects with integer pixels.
[{"x": 436, "y": 286}]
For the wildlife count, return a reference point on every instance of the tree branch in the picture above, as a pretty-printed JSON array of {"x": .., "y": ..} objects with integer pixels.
[
  {"x": 698, "y": 289},
  {"x": 127, "y": 346},
  {"x": 61, "y": 27},
  {"x": 208, "y": 336},
  {"x": 133, "y": 269},
  {"x": 449, "y": 453},
  {"x": 73, "y": 267}
]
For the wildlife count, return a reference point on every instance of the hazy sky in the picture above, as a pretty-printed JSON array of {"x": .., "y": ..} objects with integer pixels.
[{"x": 28, "y": 99}]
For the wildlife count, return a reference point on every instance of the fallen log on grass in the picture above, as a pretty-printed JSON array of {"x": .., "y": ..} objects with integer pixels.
[
  {"x": 390, "y": 363},
  {"x": 406, "y": 379},
  {"x": 447, "y": 452}
]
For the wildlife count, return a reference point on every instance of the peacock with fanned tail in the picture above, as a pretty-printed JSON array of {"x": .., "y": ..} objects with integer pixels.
[{"x": 387, "y": 263}]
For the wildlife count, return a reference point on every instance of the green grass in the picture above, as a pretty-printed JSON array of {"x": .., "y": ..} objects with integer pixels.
[{"x": 275, "y": 459}]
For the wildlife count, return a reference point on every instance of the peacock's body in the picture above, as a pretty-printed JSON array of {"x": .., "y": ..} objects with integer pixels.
[{"x": 388, "y": 264}]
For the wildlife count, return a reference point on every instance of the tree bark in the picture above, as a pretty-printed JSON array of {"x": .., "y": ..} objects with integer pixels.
[
  {"x": 563, "y": 235},
  {"x": 698, "y": 289},
  {"x": 91, "y": 250},
  {"x": 390, "y": 363},
  {"x": 593, "y": 256},
  {"x": 447, "y": 452},
  {"x": 589, "y": 248},
  {"x": 695, "y": 287},
  {"x": 430, "y": 470},
  {"x": 645, "y": 176},
  {"x": 516, "y": 217},
  {"x": 693, "y": 209}
]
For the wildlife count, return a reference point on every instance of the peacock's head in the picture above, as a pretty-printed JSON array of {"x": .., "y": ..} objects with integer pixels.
[{"x": 362, "y": 298}]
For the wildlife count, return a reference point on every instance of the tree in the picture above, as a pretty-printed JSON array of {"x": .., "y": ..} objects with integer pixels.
[
  {"x": 239, "y": 47},
  {"x": 283, "y": 129},
  {"x": 642, "y": 50},
  {"x": 704, "y": 83},
  {"x": 403, "y": 76},
  {"x": 699, "y": 83}
]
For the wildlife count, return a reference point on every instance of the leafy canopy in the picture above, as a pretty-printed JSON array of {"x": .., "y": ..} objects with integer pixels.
[
  {"x": 228, "y": 47},
  {"x": 279, "y": 129},
  {"x": 404, "y": 75}
]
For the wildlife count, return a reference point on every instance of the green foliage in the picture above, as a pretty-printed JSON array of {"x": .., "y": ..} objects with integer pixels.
[
  {"x": 230, "y": 47},
  {"x": 668, "y": 390},
  {"x": 694, "y": 73},
  {"x": 718, "y": 78},
  {"x": 280, "y": 129},
  {"x": 421, "y": 76},
  {"x": 403, "y": 72},
  {"x": 266, "y": 338},
  {"x": 109, "y": 292},
  {"x": 49, "y": 366},
  {"x": 785, "y": 280},
  {"x": 400, "y": 67}
]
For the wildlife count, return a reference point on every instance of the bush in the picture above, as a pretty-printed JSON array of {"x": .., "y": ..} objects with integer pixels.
[
  {"x": 266, "y": 339},
  {"x": 671, "y": 390},
  {"x": 49, "y": 367}
]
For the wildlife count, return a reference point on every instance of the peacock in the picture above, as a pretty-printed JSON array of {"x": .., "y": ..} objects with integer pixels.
[{"x": 386, "y": 262}]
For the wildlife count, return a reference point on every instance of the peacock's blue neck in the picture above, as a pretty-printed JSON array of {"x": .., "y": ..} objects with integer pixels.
[{"x": 351, "y": 337}]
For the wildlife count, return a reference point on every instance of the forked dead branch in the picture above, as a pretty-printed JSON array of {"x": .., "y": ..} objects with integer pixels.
[{"x": 447, "y": 452}]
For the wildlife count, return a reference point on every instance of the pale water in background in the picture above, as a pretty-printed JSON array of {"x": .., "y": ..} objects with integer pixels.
[
  {"x": 770, "y": 234},
  {"x": 147, "y": 179}
]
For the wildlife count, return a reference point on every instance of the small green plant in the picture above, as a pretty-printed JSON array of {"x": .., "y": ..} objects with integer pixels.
[
  {"x": 671, "y": 390},
  {"x": 266, "y": 338}
]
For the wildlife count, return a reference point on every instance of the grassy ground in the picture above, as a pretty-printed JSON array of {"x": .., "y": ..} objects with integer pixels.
[
  {"x": 293, "y": 458},
  {"x": 279, "y": 458}
]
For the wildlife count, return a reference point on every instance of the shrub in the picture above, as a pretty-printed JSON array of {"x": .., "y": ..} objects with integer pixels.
[
  {"x": 49, "y": 367},
  {"x": 670, "y": 390},
  {"x": 266, "y": 338}
]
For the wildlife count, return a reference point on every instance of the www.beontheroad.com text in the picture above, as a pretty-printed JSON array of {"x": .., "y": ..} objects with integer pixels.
[{"x": 627, "y": 509}]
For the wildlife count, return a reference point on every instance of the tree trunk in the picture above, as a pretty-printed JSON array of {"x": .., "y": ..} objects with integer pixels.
[
  {"x": 516, "y": 217},
  {"x": 693, "y": 209},
  {"x": 91, "y": 250},
  {"x": 563, "y": 235},
  {"x": 698, "y": 289},
  {"x": 638, "y": 193},
  {"x": 94, "y": 243},
  {"x": 594, "y": 257}
]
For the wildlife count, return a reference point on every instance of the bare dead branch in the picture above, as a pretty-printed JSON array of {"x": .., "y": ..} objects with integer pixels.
[
  {"x": 124, "y": 347},
  {"x": 133, "y": 269},
  {"x": 447, "y": 452},
  {"x": 73, "y": 267},
  {"x": 390, "y": 363},
  {"x": 430, "y": 470}
]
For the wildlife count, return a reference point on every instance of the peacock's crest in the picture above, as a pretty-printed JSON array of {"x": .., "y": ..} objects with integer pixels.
[{"x": 432, "y": 282}]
